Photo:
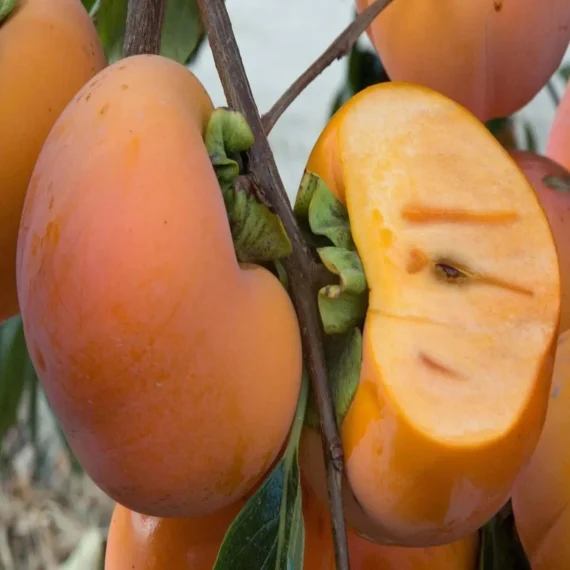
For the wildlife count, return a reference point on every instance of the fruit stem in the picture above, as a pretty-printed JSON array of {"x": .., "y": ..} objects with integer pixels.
[
  {"x": 299, "y": 265},
  {"x": 340, "y": 47},
  {"x": 144, "y": 27},
  {"x": 6, "y": 7}
]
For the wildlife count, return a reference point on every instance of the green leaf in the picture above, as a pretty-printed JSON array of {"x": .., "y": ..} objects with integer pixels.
[
  {"x": 110, "y": 22},
  {"x": 258, "y": 233},
  {"x": 6, "y": 7},
  {"x": 329, "y": 217},
  {"x": 92, "y": 6},
  {"x": 342, "y": 306},
  {"x": 15, "y": 371},
  {"x": 268, "y": 533},
  {"x": 343, "y": 354},
  {"x": 182, "y": 30},
  {"x": 501, "y": 548}
]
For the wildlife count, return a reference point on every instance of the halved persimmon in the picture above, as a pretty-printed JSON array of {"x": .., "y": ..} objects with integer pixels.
[{"x": 460, "y": 331}]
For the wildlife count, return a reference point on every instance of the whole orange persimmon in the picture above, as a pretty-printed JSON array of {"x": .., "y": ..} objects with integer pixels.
[
  {"x": 173, "y": 369},
  {"x": 48, "y": 50},
  {"x": 551, "y": 182},
  {"x": 460, "y": 330},
  {"x": 139, "y": 542},
  {"x": 492, "y": 56},
  {"x": 542, "y": 492}
]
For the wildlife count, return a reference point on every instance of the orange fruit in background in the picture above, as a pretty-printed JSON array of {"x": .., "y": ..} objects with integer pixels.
[
  {"x": 492, "y": 56},
  {"x": 542, "y": 491},
  {"x": 366, "y": 555},
  {"x": 461, "y": 327},
  {"x": 139, "y": 542},
  {"x": 48, "y": 50},
  {"x": 552, "y": 185},
  {"x": 173, "y": 370},
  {"x": 558, "y": 141}
]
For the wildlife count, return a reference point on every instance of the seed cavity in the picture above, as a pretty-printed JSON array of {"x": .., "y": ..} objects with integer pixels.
[{"x": 433, "y": 364}]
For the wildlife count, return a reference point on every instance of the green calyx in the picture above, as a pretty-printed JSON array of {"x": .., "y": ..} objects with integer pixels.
[
  {"x": 257, "y": 232},
  {"x": 326, "y": 225},
  {"x": 343, "y": 295},
  {"x": 6, "y": 7}
]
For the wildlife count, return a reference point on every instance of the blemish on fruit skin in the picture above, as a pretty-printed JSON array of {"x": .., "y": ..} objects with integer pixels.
[
  {"x": 103, "y": 110},
  {"x": 419, "y": 214},
  {"x": 51, "y": 201},
  {"x": 124, "y": 86},
  {"x": 498, "y": 5}
]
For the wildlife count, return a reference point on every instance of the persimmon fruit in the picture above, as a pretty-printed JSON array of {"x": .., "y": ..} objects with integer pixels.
[
  {"x": 462, "y": 319},
  {"x": 542, "y": 491},
  {"x": 48, "y": 50},
  {"x": 367, "y": 555},
  {"x": 492, "y": 56},
  {"x": 558, "y": 140},
  {"x": 140, "y": 542},
  {"x": 173, "y": 369},
  {"x": 551, "y": 182}
]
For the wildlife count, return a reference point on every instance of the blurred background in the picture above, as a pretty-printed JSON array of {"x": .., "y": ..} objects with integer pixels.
[{"x": 51, "y": 515}]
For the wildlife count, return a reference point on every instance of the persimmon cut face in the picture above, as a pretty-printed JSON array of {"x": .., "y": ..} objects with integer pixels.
[{"x": 463, "y": 311}]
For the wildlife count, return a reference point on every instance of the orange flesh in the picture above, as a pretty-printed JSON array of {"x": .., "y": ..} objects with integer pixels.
[
  {"x": 424, "y": 154},
  {"x": 456, "y": 366}
]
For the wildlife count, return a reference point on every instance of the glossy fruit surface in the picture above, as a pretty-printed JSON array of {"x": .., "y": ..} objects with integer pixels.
[
  {"x": 461, "y": 327},
  {"x": 542, "y": 493},
  {"x": 551, "y": 182},
  {"x": 173, "y": 369},
  {"x": 139, "y": 542},
  {"x": 492, "y": 56},
  {"x": 558, "y": 142},
  {"x": 366, "y": 555},
  {"x": 48, "y": 50}
]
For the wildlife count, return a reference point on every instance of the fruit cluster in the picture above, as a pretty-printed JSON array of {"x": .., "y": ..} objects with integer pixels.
[{"x": 147, "y": 275}]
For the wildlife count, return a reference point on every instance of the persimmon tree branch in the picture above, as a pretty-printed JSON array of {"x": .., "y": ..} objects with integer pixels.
[
  {"x": 299, "y": 265},
  {"x": 340, "y": 47},
  {"x": 144, "y": 26}
]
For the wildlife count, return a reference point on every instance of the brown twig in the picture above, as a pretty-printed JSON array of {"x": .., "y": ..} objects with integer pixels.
[
  {"x": 299, "y": 265},
  {"x": 340, "y": 47},
  {"x": 144, "y": 26}
]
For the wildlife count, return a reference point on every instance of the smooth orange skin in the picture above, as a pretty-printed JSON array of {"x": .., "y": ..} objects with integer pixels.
[
  {"x": 542, "y": 491},
  {"x": 366, "y": 555},
  {"x": 556, "y": 204},
  {"x": 558, "y": 141},
  {"x": 173, "y": 370},
  {"x": 48, "y": 50},
  {"x": 492, "y": 56},
  {"x": 139, "y": 542},
  {"x": 457, "y": 506}
]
